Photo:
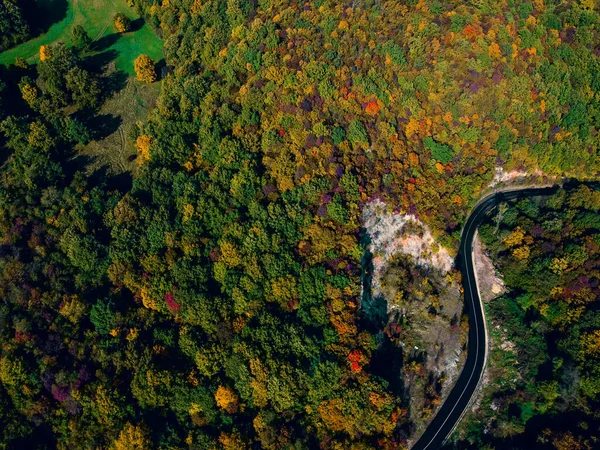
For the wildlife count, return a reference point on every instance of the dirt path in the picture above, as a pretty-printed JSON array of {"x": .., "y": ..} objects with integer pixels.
[{"x": 101, "y": 32}]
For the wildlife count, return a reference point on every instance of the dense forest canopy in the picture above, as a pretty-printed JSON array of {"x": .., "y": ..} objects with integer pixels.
[
  {"x": 14, "y": 27},
  {"x": 215, "y": 300}
]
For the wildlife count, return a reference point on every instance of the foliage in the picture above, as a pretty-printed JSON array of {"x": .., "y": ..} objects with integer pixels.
[
  {"x": 132, "y": 437},
  {"x": 122, "y": 23},
  {"x": 13, "y": 25},
  {"x": 217, "y": 295},
  {"x": 80, "y": 38},
  {"x": 96, "y": 17},
  {"x": 144, "y": 69}
]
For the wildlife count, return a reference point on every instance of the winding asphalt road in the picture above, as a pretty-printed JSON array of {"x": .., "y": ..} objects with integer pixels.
[{"x": 459, "y": 399}]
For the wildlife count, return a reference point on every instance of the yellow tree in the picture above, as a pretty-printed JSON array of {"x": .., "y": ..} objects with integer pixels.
[
  {"x": 30, "y": 95},
  {"x": 44, "y": 52},
  {"x": 515, "y": 238},
  {"x": 226, "y": 399},
  {"x": 144, "y": 69},
  {"x": 521, "y": 253},
  {"x": 231, "y": 441},
  {"x": 122, "y": 23},
  {"x": 142, "y": 144},
  {"x": 132, "y": 438}
]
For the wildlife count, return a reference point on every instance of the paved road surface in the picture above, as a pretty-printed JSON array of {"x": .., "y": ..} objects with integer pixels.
[{"x": 458, "y": 401}]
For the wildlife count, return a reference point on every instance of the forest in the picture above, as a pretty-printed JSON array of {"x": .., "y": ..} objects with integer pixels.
[{"x": 211, "y": 297}]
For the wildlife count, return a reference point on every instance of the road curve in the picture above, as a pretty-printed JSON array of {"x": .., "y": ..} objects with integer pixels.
[{"x": 453, "y": 409}]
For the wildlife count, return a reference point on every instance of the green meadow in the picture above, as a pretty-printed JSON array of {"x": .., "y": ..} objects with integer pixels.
[{"x": 96, "y": 16}]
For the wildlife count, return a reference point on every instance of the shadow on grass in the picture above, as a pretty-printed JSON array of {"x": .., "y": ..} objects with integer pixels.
[
  {"x": 121, "y": 182},
  {"x": 136, "y": 25},
  {"x": 114, "y": 83},
  {"x": 44, "y": 13},
  {"x": 101, "y": 59},
  {"x": 162, "y": 69},
  {"x": 106, "y": 42},
  {"x": 101, "y": 176},
  {"x": 103, "y": 125}
]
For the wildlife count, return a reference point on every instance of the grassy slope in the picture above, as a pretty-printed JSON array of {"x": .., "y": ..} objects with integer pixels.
[{"x": 96, "y": 17}]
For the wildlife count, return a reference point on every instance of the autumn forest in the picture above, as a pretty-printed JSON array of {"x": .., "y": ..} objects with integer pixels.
[{"x": 224, "y": 286}]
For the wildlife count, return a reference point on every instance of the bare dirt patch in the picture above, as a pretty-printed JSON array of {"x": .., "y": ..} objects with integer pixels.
[{"x": 491, "y": 285}]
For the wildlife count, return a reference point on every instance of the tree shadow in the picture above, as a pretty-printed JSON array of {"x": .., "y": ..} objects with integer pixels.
[
  {"x": 103, "y": 125},
  {"x": 113, "y": 83},
  {"x": 101, "y": 59},
  {"x": 374, "y": 314},
  {"x": 4, "y": 153},
  {"x": 136, "y": 25},
  {"x": 45, "y": 13},
  {"x": 106, "y": 41},
  {"x": 121, "y": 182},
  {"x": 101, "y": 175},
  {"x": 387, "y": 363},
  {"x": 162, "y": 69}
]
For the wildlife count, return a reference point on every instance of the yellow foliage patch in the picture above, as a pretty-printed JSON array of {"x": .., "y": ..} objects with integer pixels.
[
  {"x": 132, "y": 438},
  {"x": 29, "y": 94},
  {"x": 515, "y": 238},
  {"x": 231, "y": 441},
  {"x": 144, "y": 69},
  {"x": 143, "y": 144},
  {"x": 494, "y": 50},
  {"x": 44, "y": 52},
  {"x": 188, "y": 212},
  {"x": 229, "y": 255},
  {"x": 226, "y": 399},
  {"x": 590, "y": 343},
  {"x": 412, "y": 127},
  {"x": 521, "y": 253},
  {"x": 147, "y": 299}
]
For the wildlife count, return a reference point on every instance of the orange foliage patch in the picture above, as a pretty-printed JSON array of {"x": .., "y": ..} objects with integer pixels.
[
  {"x": 142, "y": 145},
  {"x": 472, "y": 31},
  {"x": 226, "y": 399},
  {"x": 372, "y": 108},
  {"x": 355, "y": 357}
]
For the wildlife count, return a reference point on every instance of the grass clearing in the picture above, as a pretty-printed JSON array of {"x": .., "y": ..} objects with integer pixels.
[
  {"x": 126, "y": 108},
  {"x": 96, "y": 16}
]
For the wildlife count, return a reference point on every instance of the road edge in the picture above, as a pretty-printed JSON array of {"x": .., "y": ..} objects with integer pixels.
[{"x": 487, "y": 343}]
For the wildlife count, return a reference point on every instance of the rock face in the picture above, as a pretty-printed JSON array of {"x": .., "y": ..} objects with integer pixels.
[{"x": 405, "y": 234}]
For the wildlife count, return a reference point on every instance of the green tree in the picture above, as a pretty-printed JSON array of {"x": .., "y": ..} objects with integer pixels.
[
  {"x": 83, "y": 87},
  {"x": 80, "y": 38},
  {"x": 13, "y": 26}
]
